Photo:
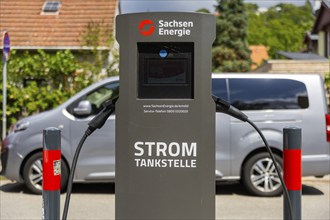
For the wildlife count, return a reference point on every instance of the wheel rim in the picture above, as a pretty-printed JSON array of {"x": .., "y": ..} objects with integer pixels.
[
  {"x": 35, "y": 174},
  {"x": 264, "y": 176}
]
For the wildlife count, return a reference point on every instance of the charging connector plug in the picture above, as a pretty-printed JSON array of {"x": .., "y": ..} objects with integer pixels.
[
  {"x": 225, "y": 107},
  {"x": 98, "y": 121}
]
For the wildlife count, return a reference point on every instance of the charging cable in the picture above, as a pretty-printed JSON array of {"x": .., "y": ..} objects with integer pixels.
[
  {"x": 109, "y": 107},
  {"x": 226, "y": 108},
  {"x": 96, "y": 123}
]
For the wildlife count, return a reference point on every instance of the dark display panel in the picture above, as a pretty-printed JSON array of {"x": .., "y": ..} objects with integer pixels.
[{"x": 165, "y": 70}]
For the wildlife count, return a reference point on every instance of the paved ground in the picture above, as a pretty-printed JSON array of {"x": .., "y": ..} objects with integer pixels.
[{"x": 96, "y": 201}]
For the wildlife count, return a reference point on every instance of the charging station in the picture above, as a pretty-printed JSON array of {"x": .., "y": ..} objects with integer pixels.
[{"x": 165, "y": 117}]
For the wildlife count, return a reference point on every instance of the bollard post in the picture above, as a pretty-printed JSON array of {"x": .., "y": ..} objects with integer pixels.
[
  {"x": 51, "y": 184},
  {"x": 292, "y": 170}
]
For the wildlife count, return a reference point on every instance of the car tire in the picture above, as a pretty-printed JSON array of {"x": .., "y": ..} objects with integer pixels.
[
  {"x": 260, "y": 177},
  {"x": 32, "y": 173}
]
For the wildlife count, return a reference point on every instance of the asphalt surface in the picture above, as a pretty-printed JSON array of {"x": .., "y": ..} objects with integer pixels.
[{"x": 96, "y": 201}]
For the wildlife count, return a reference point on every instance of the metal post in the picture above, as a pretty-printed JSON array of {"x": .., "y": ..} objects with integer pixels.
[
  {"x": 51, "y": 184},
  {"x": 292, "y": 170},
  {"x": 5, "y": 52},
  {"x": 4, "y": 99}
]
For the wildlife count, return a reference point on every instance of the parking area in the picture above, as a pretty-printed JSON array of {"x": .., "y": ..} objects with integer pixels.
[{"x": 97, "y": 201}]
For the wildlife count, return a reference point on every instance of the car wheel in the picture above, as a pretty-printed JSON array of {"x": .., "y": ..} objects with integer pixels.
[
  {"x": 260, "y": 177},
  {"x": 32, "y": 173}
]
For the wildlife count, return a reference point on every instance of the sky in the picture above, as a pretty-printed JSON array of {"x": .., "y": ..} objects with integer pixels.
[{"x": 131, "y": 6}]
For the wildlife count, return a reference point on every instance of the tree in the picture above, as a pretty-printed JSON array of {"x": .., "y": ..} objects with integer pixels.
[
  {"x": 203, "y": 10},
  {"x": 40, "y": 81},
  {"x": 98, "y": 34},
  {"x": 230, "y": 50},
  {"x": 282, "y": 27},
  {"x": 327, "y": 80}
]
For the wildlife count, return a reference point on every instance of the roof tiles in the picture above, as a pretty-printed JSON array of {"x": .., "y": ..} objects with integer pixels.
[
  {"x": 28, "y": 27},
  {"x": 258, "y": 55}
]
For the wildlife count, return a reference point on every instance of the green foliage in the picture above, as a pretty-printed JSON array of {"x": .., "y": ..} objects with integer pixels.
[
  {"x": 96, "y": 36},
  {"x": 282, "y": 27},
  {"x": 230, "y": 50},
  {"x": 327, "y": 79},
  {"x": 203, "y": 10},
  {"x": 58, "y": 69},
  {"x": 40, "y": 81},
  {"x": 33, "y": 98}
]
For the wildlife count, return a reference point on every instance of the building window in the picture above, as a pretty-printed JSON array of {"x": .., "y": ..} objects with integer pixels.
[{"x": 51, "y": 7}]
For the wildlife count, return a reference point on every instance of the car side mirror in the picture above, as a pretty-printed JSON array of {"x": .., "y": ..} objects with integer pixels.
[{"x": 84, "y": 108}]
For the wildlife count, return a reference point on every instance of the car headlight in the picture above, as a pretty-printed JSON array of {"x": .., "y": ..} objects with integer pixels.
[{"x": 19, "y": 126}]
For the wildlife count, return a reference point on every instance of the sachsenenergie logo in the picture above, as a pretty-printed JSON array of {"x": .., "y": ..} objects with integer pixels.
[
  {"x": 166, "y": 27},
  {"x": 149, "y": 24}
]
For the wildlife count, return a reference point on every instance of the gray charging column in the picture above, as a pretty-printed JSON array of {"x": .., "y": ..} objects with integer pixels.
[{"x": 165, "y": 117}]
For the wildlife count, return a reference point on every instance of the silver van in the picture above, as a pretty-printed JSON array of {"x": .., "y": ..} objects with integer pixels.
[{"x": 272, "y": 101}]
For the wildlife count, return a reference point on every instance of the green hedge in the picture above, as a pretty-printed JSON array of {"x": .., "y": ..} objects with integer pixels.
[{"x": 39, "y": 81}]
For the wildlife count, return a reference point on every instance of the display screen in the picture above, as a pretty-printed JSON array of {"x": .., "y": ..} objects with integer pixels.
[{"x": 166, "y": 71}]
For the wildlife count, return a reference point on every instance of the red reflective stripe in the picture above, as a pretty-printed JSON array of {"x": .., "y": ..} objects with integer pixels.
[
  {"x": 327, "y": 119},
  {"x": 51, "y": 176},
  {"x": 292, "y": 169}
]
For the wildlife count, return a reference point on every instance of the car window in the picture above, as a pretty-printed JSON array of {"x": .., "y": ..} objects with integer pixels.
[
  {"x": 97, "y": 97},
  {"x": 100, "y": 95},
  {"x": 219, "y": 88},
  {"x": 258, "y": 94}
]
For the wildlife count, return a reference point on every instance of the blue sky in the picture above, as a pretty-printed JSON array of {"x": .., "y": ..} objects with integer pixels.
[{"x": 130, "y": 6}]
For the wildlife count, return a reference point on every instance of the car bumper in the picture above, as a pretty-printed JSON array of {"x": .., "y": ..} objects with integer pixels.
[
  {"x": 3, "y": 158},
  {"x": 10, "y": 160}
]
